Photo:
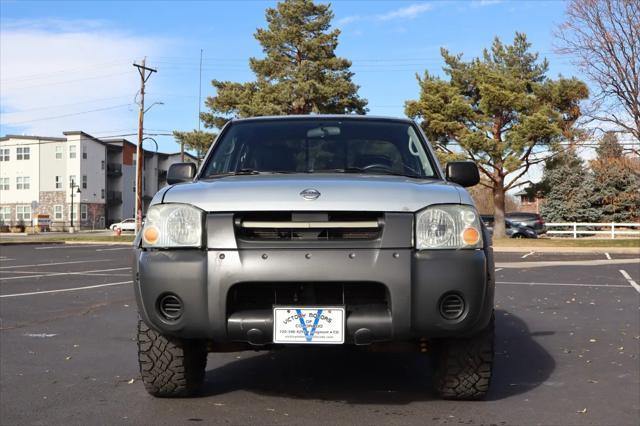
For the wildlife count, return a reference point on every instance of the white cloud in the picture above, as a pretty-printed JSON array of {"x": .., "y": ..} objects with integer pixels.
[
  {"x": 408, "y": 12},
  {"x": 482, "y": 3},
  {"x": 348, "y": 20},
  {"x": 54, "y": 69}
]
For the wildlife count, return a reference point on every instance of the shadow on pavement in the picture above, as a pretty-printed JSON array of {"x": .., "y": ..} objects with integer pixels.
[{"x": 358, "y": 376}]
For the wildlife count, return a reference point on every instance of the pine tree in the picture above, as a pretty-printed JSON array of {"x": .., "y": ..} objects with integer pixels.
[
  {"x": 300, "y": 73},
  {"x": 501, "y": 109},
  {"x": 196, "y": 140},
  {"x": 567, "y": 188},
  {"x": 616, "y": 187}
]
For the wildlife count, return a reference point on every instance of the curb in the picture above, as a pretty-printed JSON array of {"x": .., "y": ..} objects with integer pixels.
[
  {"x": 621, "y": 250},
  {"x": 102, "y": 243}
]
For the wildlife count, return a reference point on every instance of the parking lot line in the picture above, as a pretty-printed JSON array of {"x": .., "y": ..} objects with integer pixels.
[
  {"x": 56, "y": 263},
  {"x": 630, "y": 280},
  {"x": 64, "y": 289},
  {"x": 63, "y": 246},
  {"x": 561, "y": 284},
  {"x": 608, "y": 256},
  {"x": 116, "y": 248},
  {"x": 55, "y": 274},
  {"x": 545, "y": 264},
  {"x": 528, "y": 254}
]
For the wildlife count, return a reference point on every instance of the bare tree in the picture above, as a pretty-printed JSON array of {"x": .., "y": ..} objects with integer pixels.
[{"x": 603, "y": 38}]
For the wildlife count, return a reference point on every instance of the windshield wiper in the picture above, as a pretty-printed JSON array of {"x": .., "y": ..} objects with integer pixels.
[
  {"x": 240, "y": 172},
  {"x": 368, "y": 171}
]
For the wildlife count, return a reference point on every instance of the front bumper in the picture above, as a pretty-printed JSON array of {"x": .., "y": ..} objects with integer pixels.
[{"x": 415, "y": 283}]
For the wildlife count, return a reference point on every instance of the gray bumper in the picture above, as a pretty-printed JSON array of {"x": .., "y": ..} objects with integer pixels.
[{"x": 415, "y": 282}]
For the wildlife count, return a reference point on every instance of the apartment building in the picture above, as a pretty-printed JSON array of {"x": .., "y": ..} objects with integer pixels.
[{"x": 43, "y": 175}]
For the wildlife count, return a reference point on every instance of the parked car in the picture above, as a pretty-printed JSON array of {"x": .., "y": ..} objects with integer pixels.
[
  {"x": 330, "y": 230},
  {"x": 532, "y": 220},
  {"x": 125, "y": 225},
  {"x": 512, "y": 230}
]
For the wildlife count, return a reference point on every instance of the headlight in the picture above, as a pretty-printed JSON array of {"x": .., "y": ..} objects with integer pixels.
[
  {"x": 172, "y": 225},
  {"x": 450, "y": 226}
]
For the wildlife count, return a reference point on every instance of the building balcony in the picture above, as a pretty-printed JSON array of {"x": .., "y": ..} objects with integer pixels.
[
  {"x": 114, "y": 169},
  {"x": 114, "y": 197}
]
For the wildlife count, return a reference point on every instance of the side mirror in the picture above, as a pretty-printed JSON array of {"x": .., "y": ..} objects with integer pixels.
[
  {"x": 464, "y": 173},
  {"x": 181, "y": 172}
]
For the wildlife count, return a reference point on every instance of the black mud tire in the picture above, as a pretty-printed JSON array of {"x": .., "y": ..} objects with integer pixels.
[
  {"x": 463, "y": 367},
  {"x": 170, "y": 367}
]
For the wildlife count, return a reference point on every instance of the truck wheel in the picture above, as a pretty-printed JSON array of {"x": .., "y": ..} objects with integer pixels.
[
  {"x": 170, "y": 367},
  {"x": 463, "y": 366}
]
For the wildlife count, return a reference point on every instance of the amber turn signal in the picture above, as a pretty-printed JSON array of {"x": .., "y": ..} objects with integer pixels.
[
  {"x": 470, "y": 236},
  {"x": 151, "y": 235}
]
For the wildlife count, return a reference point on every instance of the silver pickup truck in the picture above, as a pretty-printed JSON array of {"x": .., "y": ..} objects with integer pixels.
[{"x": 315, "y": 230}]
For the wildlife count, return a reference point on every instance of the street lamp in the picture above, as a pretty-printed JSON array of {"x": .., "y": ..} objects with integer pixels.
[
  {"x": 73, "y": 185},
  {"x": 155, "y": 103}
]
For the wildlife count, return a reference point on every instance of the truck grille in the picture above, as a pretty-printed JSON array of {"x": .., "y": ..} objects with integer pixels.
[
  {"x": 292, "y": 226},
  {"x": 264, "y": 295}
]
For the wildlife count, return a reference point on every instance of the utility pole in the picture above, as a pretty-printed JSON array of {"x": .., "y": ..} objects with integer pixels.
[
  {"x": 200, "y": 90},
  {"x": 145, "y": 73}
]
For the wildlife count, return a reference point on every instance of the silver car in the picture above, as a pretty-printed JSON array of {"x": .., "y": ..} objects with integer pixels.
[{"x": 316, "y": 230}]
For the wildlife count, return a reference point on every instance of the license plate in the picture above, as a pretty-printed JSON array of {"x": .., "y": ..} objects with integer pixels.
[{"x": 308, "y": 325}]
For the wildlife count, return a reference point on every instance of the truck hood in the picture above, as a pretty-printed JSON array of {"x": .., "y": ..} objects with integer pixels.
[{"x": 338, "y": 192}]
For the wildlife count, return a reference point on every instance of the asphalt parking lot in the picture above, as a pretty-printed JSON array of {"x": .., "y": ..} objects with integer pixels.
[{"x": 568, "y": 342}]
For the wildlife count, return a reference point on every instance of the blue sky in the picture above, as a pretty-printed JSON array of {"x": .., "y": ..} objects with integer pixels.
[{"x": 67, "y": 65}]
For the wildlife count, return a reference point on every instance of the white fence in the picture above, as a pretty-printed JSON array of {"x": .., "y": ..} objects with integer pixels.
[{"x": 611, "y": 229}]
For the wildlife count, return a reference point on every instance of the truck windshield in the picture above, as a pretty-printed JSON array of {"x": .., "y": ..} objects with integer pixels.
[{"x": 317, "y": 146}]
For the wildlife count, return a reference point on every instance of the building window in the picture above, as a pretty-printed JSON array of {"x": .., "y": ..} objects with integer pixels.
[
  {"x": 59, "y": 152},
  {"x": 73, "y": 213},
  {"x": 58, "y": 212},
  {"x": 23, "y": 153},
  {"x": 4, "y": 154},
  {"x": 58, "y": 182},
  {"x": 72, "y": 181},
  {"x": 102, "y": 193},
  {"x": 83, "y": 212},
  {"x": 84, "y": 182},
  {"x": 84, "y": 152},
  {"x": 4, "y": 184},
  {"x": 23, "y": 182},
  {"x": 72, "y": 151},
  {"x": 102, "y": 165},
  {"x": 23, "y": 213},
  {"x": 5, "y": 214}
]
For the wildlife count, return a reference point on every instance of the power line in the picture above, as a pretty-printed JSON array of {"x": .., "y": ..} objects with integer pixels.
[
  {"x": 38, "y": 76},
  {"x": 66, "y": 115},
  {"x": 65, "y": 105}
]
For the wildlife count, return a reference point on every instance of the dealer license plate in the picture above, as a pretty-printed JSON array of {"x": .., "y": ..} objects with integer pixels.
[{"x": 308, "y": 325}]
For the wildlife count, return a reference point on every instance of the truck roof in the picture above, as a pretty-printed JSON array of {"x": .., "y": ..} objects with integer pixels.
[{"x": 323, "y": 117}]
